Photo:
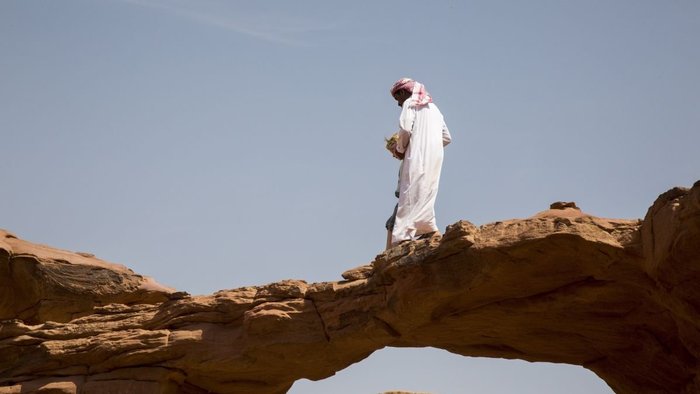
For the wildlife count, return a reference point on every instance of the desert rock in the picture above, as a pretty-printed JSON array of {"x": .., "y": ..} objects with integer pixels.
[{"x": 619, "y": 297}]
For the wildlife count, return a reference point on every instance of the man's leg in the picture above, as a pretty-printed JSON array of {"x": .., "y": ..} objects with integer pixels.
[{"x": 390, "y": 227}]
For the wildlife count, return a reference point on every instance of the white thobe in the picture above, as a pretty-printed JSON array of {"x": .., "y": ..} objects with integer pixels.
[{"x": 422, "y": 136}]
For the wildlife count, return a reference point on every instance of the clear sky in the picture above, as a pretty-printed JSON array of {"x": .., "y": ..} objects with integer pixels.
[{"x": 217, "y": 144}]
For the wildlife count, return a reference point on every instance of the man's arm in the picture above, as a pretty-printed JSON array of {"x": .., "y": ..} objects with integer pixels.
[
  {"x": 446, "y": 137},
  {"x": 402, "y": 143},
  {"x": 408, "y": 116}
]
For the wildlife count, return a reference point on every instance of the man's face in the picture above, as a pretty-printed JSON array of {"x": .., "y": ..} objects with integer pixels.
[{"x": 401, "y": 95}]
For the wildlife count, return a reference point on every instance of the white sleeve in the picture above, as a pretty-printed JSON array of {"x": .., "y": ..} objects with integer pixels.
[
  {"x": 446, "y": 137},
  {"x": 408, "y": 116}
]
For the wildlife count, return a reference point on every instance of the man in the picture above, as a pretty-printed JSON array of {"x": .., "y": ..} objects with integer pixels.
[{"x": 421, "y": 137}]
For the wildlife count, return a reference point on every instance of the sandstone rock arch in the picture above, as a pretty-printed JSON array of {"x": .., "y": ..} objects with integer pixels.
[{"x": 619, "y": 297}]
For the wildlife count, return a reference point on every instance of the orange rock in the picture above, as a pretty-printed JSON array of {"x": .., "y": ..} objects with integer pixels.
[{"x": 619, "y": 297}]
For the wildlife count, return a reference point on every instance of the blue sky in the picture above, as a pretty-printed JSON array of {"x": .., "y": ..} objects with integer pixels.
[{"x": 218, "y": 144}]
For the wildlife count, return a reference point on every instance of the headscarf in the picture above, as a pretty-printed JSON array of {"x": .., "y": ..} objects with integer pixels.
[{"x": 419, "y": 96}]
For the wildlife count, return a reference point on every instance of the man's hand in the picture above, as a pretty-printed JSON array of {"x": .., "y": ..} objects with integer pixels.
[{"x": 396, "y": 153}]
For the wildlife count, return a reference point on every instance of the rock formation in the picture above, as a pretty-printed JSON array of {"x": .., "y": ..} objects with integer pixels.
[{"x": 619, "y": 297}]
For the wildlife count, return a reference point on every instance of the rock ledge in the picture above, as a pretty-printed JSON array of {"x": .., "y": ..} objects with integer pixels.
[{"x": 619, "y": 297}]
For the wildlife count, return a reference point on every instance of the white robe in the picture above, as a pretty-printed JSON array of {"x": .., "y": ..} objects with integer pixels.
[{"x": 422, "y": 136}]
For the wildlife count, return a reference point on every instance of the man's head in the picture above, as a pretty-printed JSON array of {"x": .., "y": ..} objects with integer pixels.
[
  {"x": 401, "y": 95},
  {"x": 407, "y": 88},
  {"x": 402, "y": 90}
]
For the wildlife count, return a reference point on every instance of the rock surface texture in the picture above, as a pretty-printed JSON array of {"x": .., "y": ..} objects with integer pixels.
[{"x": 619, "y": 297}]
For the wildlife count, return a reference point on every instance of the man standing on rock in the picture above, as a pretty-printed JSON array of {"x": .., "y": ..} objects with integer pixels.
[{"x": 421, "y": 137}]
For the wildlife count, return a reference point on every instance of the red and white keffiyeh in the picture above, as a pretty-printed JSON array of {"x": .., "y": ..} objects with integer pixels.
[{"x": 419, "y": 96}]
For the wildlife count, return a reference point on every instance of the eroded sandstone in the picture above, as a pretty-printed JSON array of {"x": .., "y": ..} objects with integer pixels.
[{"x": 619, "y": 297}]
